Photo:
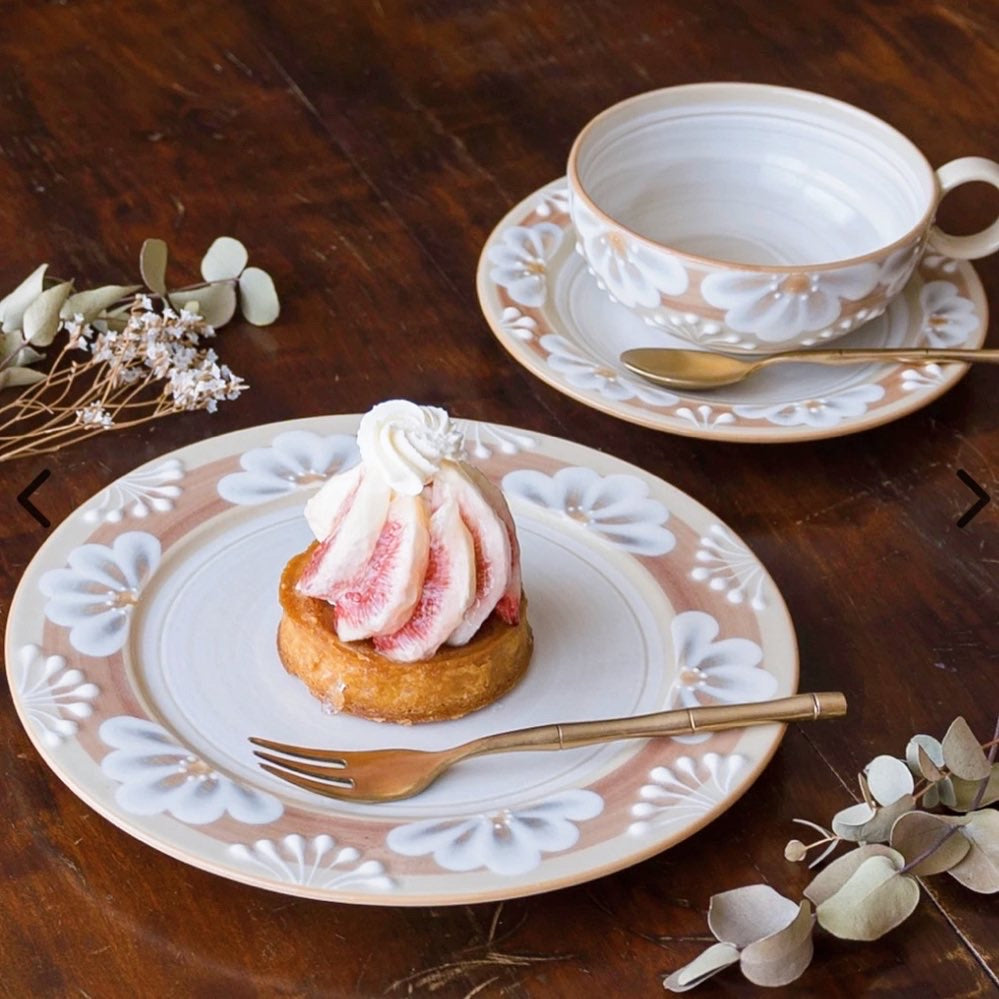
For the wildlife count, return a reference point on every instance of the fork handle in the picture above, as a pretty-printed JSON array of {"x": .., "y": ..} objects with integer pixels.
[{"x": 683, "y": 721}]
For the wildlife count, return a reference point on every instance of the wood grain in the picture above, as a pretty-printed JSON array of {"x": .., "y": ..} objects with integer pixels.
[{"x": 363, "y": 152}]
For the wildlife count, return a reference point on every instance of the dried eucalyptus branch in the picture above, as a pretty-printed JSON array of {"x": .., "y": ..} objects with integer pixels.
[
  {"x": 126, "y": 358},
  {"x": 873, "y": 888}
]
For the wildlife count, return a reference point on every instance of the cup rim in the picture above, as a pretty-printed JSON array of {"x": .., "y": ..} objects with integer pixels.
[{"x": 910, "y": 236}]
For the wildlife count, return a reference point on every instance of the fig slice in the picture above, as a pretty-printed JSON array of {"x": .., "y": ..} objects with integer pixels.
[
  {"x": 508, "y": 606},
  {"x": 351, "y": 542},
  {"x": 491, "y": 545},
  {"x": 448, "y": 590},
  {"x": 381, "y": 598},
  {"x": 325, "y": 509}
]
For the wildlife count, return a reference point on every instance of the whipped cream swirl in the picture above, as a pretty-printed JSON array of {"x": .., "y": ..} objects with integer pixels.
[{"x": 406, "y": 443}]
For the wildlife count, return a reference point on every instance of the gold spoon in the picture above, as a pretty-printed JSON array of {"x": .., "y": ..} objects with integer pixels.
[{"x": 702, "y": 369}]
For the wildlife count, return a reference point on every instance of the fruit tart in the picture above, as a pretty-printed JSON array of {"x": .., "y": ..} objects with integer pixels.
[{"x": 408, "y": 605}]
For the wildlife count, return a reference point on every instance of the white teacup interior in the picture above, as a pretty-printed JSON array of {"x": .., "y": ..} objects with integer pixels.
[{"x": 754, "y": 174}]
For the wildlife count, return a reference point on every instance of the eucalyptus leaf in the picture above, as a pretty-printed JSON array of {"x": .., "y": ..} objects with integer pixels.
[
  {"x": 744, "y": 915},
  {"x": 215, "y": 303},
  {"x": 979, "y": 869},
  {"x": 783, "y": 956},
  {"x": 717, "y": 957},
  {"x": 830, "y": 879},
  {"x": 849, "y": 821},
  {"x": 962, "y": 795},
  {"x": 916, "y": 832},
  {"x": 41, "y": 318},
  {"x": 258, "y": 297},
  {"x": 927, "y": 768},
  {"x": 12, "y": 377},
  {"x": 874, "y": 900},
  {"x": 152, "y": 264},
  {"x": 852, "y": 825},
  {"x": 10, "y": 344},
  {"x": 13, "y": 306},
  {"x": 90, "y": 304},
  {"x": 930, "y": 746},
  {"x": 888, "y": 779},
  {"x": 962, "y": 754},
  {"x": 225, "y": 259}
]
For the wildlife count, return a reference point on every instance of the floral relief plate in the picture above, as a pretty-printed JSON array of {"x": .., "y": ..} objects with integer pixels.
[
  {"x": 141, "y": 656},
  {"x": 551, "y": 314}
]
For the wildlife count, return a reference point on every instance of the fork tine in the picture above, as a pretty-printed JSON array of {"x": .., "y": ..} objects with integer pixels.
[
  {"x": 331, "y": 757},
  {"x": 319, "y": 770},
  {"x": 316, "y": 786}
]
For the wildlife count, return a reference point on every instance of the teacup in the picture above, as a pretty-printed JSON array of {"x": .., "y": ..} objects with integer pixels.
[{"x": 747, "y": 217}]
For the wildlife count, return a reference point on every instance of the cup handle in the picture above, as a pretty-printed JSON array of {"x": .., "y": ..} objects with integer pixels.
[{"x": 980, "y": 244}]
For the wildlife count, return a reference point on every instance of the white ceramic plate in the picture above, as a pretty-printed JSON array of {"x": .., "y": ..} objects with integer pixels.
[
  {"x": 141, "y": 656},
  {"x": 548, "y": 311}
]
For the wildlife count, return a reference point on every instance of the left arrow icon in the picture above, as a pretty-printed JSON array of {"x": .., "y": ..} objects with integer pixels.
[{"x": 22, "y": 498}]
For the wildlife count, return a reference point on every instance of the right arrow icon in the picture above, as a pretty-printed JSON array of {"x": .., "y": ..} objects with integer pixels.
[{"x": 979, "y": 504}]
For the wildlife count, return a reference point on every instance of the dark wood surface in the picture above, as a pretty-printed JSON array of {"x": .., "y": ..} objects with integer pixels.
[{"x": 363, "y": 151}]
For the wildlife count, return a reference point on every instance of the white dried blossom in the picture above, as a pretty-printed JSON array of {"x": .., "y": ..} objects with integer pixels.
[
  {"x": 77, "y": 331},
  {"x": 94, "y": 415}
]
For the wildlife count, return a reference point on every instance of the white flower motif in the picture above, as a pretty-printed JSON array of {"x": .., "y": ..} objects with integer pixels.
[
  {"x": 554, "y": 202},
  {"x": 521, "y": 256},
  {"x": 826, "y": 411},
  {"x": 938, "y": 262},
  {"x": 55, "y": 698},
  {"x": 686, "y": 790},
  {"x": 516, "y": 324},
  {"x": 948, "y": 318},
  {"x": 506, "y": 842},
  {"x": 729, "y": 567},
  {"x": 94, "y": 597},
  {"x": 315, "y": 861},
  {"x": 585, "y": 373},
  {"x": 709, "y": 671},
  {"x": 779, "y": 307},
  {"x": 482, "y": 439},
  {"x": 157, "y": 775},
  {"x": 152, "y": 490},
  {"x": 924, "y": 377},
  {"x": 705, "y": 417},
  {"x": 296, "y": 459},
  {"x": 633, "y": 273},
  {"x": 616, "y": 507},
  {"x": 897, "y": 268}
]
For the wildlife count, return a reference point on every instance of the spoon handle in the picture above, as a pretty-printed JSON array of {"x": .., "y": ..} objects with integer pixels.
[{"x": 921, "y": 355}]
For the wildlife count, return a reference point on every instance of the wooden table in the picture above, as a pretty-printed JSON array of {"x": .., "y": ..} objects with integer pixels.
[{"x": 363, "y": 152}]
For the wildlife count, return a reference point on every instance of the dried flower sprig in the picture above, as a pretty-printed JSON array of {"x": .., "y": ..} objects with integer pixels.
[
  {"x": 873, "y": 888},
  {"x": 145, "y": 354}
]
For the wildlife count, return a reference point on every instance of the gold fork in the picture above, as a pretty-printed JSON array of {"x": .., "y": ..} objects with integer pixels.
[{"x": 389, "y": 774}]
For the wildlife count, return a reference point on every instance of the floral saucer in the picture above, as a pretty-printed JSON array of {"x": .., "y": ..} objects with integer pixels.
[
  {"x": 141, "y": 657},
  {"x": 549, "y": 312}
]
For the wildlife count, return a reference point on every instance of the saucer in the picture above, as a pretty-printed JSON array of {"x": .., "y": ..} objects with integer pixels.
[{"x": 549, "y": 312}]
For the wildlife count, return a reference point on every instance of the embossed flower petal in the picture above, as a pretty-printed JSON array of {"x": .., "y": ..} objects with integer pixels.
[
  {"x": 826, "y": 411},
  {"x": 295, "y": 459},
  {"x": 95, "y": 595},
  {"x": 521, "y": 257},
  {"x": 157, "y": 775},
  {"x": 506, "y": 842},
  {"x": 55, "y": 697},
  {"x": 948, "y": 317},
  {"x": 616, "y": 506}
]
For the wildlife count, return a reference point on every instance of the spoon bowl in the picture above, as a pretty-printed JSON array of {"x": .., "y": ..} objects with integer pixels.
[{"x": 702, "y": 369}]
